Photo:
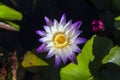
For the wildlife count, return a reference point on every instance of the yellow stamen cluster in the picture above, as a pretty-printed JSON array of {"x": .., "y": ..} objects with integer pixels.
[{"x": 60, "y": 40}]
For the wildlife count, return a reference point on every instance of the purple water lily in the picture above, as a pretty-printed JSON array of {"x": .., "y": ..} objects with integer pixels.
[
  {"x": 61, "y": 39},
  {"x": 97, "y": 25}
]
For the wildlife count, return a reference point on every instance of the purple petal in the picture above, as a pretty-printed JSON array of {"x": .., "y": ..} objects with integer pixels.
[
  {"x": 94, "y": 21},
  {"x": 68, "y": 25},
  {"x": 70, "y": 22},
  {"x": 41, "y": 33},
  {"x": 95, "y": 29},
  {"x": 55, "y": 22},
  {"x": 100, "y": 22},
  {"x": 42, "y": 39},
  {"x": 76, "y": 25},
  {"x": 50, "y": 53},
  {"x": 76, "y": 48},
  {"x": 42, "y": 48},
  {"x": 101, "y": 25},
  {"x": 80, "y": 40},
  {"x": 73, "y": 58},
  {"x": 65, "y": 53},
  {"x": 77, "y": 33},
  {"x": 64, "y": 60},
  {"x": 57, "y": 60},
  {"x": 47, "y": 28},
  {"x": 63, "y": 19},
  {"x": 48, "y": 21}
]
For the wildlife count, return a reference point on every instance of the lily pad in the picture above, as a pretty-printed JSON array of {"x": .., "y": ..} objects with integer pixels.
[
  {"x": 31, "y": 60},
  {"x": 89, "y": 61},
  {"x": 117, "y": 18},
  {"x": 113, "y": 56},
  {"x": 7, "y": 13},
  {"x": 15, "y": 26},
  {"x": 81, "y": 70}
]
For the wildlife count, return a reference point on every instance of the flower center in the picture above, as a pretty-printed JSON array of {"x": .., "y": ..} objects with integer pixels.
[{"x": 60, "y": 40}]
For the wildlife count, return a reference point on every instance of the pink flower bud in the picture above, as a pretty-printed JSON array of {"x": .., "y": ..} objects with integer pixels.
[{"x": 97, "y": 25}]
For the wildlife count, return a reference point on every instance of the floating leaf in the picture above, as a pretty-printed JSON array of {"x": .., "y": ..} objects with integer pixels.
[
  {"x": 89, "y": 61},
  {"x": 31, "y": 60},
  {"x": 117, "y": 24},
  {"x": 8, "y": 13},
  {"x": 80, "y": 71},
  {"x": 113, "y": 56},
  {"x": 101, "y": 47},
  {"x": 9, "y": 27},
  {"x": 15, "y": 26},
  {"x": 117, "y": 18}
]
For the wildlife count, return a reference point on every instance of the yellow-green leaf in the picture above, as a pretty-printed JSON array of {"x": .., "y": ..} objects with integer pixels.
[
  {"x": 8, "y": 13},
  {"x": 31, "y": 60},
  {"x": 81, "y": 70},
  {"x": 117, "y": 18}
]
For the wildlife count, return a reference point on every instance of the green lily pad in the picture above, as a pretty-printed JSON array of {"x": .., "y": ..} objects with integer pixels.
[
  {"x": 117, "y": 18},
  {"x": 113, "y": 56},
  {"x": 101, "y": 48},
  {"x": 117, "y": 24},
  {"x": 89, "y": 61},
  {"x": 7, "y": 13},
  {"x": 81, "y": 70}
]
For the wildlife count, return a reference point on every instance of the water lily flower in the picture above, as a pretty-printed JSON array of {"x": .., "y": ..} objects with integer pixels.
[
  {"x": 61, "y": 39},
  {"x": 97, "y": 25}
]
